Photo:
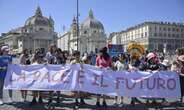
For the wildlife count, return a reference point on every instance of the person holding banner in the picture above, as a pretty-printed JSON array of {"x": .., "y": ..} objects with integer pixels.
[
  {"x": 151, "y": 64},
  {"x": 103, "y": 61},
  {"x": 133, "y": 66},
  {"x": 51, "y": 59},
  {"x": 60, "y": 57},
  {"x": 37, "y": 59},
  {"x": 165, "y": 66},
  {"x": 24, "y": 60},
  {"x": 60, "y": 60},
  {"x": 180, "y": 60},
  {"x": 120, "y": 64},
  {"x": 5, "y": 59},
  {"x": 77, "y": 94}
]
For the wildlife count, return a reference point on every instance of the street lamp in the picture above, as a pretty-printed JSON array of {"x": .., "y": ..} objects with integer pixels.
[{"x": 77, "y": 24}]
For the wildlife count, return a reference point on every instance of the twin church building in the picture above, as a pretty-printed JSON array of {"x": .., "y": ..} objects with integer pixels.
[{"x": 38, "y": 32}]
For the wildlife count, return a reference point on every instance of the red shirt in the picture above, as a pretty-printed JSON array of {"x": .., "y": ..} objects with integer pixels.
[{"x": 102, "y": 63}]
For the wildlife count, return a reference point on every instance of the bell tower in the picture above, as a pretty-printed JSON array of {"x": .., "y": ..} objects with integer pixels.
[{"x": 74, "y": 27}]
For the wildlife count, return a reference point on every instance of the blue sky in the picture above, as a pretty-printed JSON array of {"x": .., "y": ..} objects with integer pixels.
[{"x": 115, "y": 15}]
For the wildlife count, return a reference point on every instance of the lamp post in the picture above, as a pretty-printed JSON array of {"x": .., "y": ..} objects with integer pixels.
[{"x": 77, "y": 25}]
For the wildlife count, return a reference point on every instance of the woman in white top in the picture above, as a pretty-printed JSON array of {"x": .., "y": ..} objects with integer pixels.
[{"x": 120, "y": 64}]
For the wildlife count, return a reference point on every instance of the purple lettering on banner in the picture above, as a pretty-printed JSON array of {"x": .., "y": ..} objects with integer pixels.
[
  {"x": 149, "y": 82},
  {"x": 118, "y": 80},
  {"x": 53, "y": 77},
  {"x": 160, "y": 83},
  {"x": 63, "y": 76},
  {"x": 46, "y": 77},
  {"x": 80, "y": 75},
  {"x": 171, "y": 84},
  {"x": 95, "y": 83},
  {"x": 128, "y": 86},
  {"x": 141, "y": 84},
  {"x": 94, "y": 80},
  {"x": 102, "y": 82},
  {"x": 22, "y": 77},
  {"x": 36, "y": 75}
]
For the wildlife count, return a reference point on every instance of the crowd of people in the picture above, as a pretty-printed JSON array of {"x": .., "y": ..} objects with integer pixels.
[{"x": 149, "y": 61}]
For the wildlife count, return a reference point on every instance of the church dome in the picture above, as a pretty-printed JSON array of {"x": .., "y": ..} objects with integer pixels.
[
  {"x": 38, "y": 19},
  {"x": 91, "y": 22}
]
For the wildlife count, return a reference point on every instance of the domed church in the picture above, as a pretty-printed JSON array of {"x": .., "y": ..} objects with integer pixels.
[
  {"x": 38, "y": 32},
  {"x": 92, "y": 36}
]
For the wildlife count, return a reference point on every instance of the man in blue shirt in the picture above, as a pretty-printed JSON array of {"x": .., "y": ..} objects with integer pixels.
[{"x": 5, "y": 59}]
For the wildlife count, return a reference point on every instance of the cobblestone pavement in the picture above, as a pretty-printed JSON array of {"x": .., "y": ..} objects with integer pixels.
[{"x": 67, "y": 103}]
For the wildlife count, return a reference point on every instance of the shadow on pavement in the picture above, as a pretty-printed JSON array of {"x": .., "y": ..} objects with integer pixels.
[{"x": 71, "y": 106}]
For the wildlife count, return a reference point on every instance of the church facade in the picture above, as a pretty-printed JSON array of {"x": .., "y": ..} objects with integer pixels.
[
  {"x": 38, "y": 32},
  {"x": 91, "y": 36}
]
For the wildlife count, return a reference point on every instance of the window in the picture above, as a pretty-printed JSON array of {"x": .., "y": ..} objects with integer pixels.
[
  {"x": 155, "y": 28},
  {"x": 173, "y": 35},
  {"x": 164, "y": 40},
  {"x": 155, "y": 34},
  {"x": 150, "y": 28},
  {"x": 132, "y": 37},
  {"x": 173, "y": 29},
  {"x": 165, "y": 35},
  {"x": 145, "y": 34},
  {"x": 169, "y": 47},
  {"x": 151, "y": 46},
  {"x": 145, "y": 28},
  {"x": 169, "y": 29},
  {"x": 164, "y": 29},
  {"x": 177, "y": 45},
  {"x": 141, "y": 35},
  {"x": 169, "y": 35},
  {"x": 160, "y": 34},
  {"x": 160, "y": 47},
  {"x": 177, "y": 30},
  {"x": 160, "y": 29}
]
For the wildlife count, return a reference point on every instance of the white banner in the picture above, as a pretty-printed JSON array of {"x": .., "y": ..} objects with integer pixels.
[{"x": 158, "y": 84}]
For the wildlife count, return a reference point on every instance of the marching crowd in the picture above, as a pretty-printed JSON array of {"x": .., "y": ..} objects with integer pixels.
[{"x": 149, "y": 61}]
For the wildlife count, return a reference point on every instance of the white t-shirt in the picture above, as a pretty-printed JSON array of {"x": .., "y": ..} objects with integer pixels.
[{"x": 119, "y": 65}]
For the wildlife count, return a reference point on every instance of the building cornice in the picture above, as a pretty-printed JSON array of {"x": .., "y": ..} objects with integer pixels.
[{"x": 147, "y": 23}]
